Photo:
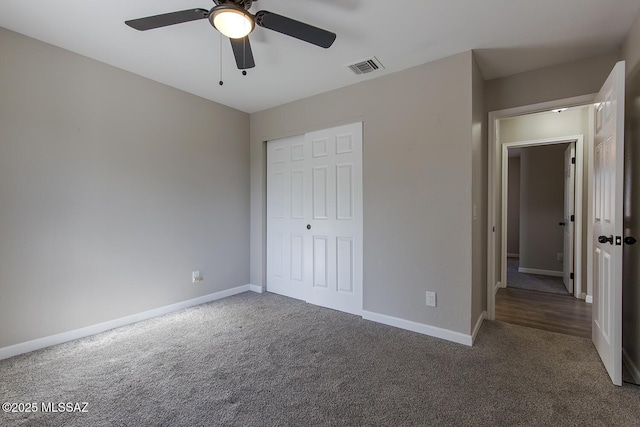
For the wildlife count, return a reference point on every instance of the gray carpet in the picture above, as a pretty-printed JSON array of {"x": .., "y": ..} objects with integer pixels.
[
  {"x": 533, "y": 282},
  {"x": 266, "y": 360}
]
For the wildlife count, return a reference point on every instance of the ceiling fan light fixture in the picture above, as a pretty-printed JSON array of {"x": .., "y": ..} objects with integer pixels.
[{"x": 233, "y": 22}]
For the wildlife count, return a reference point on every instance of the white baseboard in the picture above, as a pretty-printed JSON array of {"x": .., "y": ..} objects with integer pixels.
[
  {"x": 634, "y": 370},
  {"x": 476, "y": 328},
  {"x": 588, "y": 299},
  {"x": 496, "y": 287},
  {"x": 255, "y": 288},
  {"x": 513, "y": 255},
  {"x": 420, "y": 328},
  {"x": 541, "y": 272},
  {"x": 37, "y": 344}
]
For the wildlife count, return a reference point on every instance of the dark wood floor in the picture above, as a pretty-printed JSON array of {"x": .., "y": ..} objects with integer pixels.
[{"x": 551, "y": 312}]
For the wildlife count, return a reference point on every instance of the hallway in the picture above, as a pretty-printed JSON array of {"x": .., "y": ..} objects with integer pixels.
[
  {"x": 541, "y": 310},
  {"x": 541, "y": 302}
]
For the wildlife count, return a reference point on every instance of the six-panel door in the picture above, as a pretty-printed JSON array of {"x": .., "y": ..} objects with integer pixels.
[
  {"x": 314, "y": 217},
  {"x": 607, "y": 223}
]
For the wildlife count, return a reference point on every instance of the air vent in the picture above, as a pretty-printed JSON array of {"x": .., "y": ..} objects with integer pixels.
[{"x": 366, "y": 66}]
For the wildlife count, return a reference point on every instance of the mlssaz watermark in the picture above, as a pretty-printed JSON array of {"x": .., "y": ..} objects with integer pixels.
[{"x": 46, "y": 407}]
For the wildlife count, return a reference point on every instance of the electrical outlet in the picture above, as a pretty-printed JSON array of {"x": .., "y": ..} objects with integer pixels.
[
  {"x": 196, "y": 277},
  {"x": 431, "y": 299}
]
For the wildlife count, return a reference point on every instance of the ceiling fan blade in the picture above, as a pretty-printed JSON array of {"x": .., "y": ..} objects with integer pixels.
[
  {"x": 242, "y": 52},
  {"x": 157, "y": 21},
  {"x": 293, "y": 28}
]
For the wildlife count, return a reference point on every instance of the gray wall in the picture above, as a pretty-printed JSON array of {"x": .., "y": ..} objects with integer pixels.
[
  {"x": 479, "y": 199},
  {"x": 513, "y": 206},
  {"x": 417, "y": 181},
  {"x": 547, "y": 84},
  {"x": 113, "y": 188},
  {"x": 630, "y": 51},
  {"x": 541, "y": 206},
  {"x": 631, "y": 262}
]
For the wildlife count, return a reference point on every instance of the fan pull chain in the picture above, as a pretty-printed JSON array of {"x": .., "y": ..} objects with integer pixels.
[
  {"x": 244, "y": 55},
  {"x": 221, "y": 82}
]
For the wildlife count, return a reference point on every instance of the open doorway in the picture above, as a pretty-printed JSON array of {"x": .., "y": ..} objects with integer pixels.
[
  {"x": 540, "y": 211},
  {"x": 541, "y": 218},
  {"x": 545, "y": 136},
  {"x": 603, "y": 207}
]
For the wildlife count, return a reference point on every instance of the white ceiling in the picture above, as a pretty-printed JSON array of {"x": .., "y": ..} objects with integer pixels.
[{"x": 510, "y": 36}]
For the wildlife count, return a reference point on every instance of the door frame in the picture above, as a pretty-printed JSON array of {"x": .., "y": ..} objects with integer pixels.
[
  {"x": 577, "y": 236},
  {"x": 569, "y": 226},
  {"x": 494, "y": 182}
]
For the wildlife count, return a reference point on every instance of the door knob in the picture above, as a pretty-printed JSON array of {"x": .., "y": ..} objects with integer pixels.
[
  {"x": 629, "y": 240},
  {"x": 605, "y": 239},
  {"x": 308, "y": 226}
]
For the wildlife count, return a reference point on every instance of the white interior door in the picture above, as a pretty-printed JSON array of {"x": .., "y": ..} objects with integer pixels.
[
  {"x": 336, "y": 217},
  {"x": 607, "y": 223},
  {"x": 314, "y": 217},
  {"x": 287, "y": 241},
  {"x": 569, "y": 212}
]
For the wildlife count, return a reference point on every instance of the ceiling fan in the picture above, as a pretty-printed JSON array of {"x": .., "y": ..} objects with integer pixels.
[{"x": 233, "y": 19}]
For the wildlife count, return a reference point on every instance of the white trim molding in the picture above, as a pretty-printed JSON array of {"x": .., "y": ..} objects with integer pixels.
[
  {"x": 420, "y": 328},
  {"x": 51, "y": 340},
  {"x": 634, "y": 370},
  {"x": 540, "y": 272},
  {"x": 476, "y": 328},
  {"x": 256, "y": 288}
]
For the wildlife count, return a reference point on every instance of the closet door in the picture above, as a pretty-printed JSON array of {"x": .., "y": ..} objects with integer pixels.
[
  {"x": 288, "y": 243},
  {"x": 335, "y": 167},
  {"x": 314, "y": 217}
]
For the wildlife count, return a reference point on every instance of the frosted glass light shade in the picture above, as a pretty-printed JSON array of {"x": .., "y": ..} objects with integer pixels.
[{"x": 233, "y": 23}]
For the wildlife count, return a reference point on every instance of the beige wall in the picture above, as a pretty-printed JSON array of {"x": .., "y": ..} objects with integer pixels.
[
  {"x": 479, "y": 198},
  {"x": 631, "y": 264},
  {"x": 417, "y": 184},
  {"x": 541, "y": 207},
  {"x": 513, "y": 206},
  {"x": 113, "y": 188}
]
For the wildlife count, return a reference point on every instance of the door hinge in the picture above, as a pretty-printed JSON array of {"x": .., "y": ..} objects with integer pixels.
[
  {"x": 571, "y": 276},
  {"x": 573, "y": 160},
  {"x": 573, "y": 218}
]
